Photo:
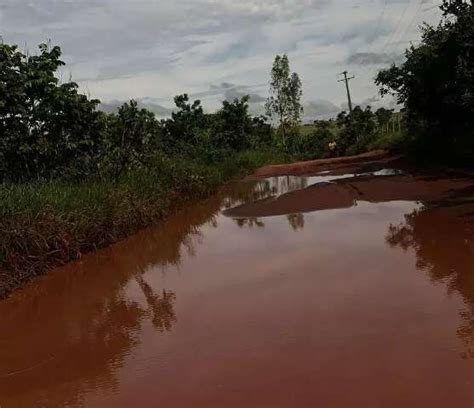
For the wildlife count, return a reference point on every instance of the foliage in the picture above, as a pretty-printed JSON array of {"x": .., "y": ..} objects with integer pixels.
[
  {"x": 186, "y": 123},
  {"x": 314, "y": 144},
  {"x": 356, "y": 133},
  {"x": 366, "y": 130},
  {"x": 383, "y": 116},
  {"x": 234, "y": 128},
  {"x": 73, "y": 178},
  {"x": 131, "y": 137},
  {"x": 46, "y": 128},
  {"x": 284, "y": 101},
  {"x": 436, "y": 82},
  {"x": 44, "y": 224}
]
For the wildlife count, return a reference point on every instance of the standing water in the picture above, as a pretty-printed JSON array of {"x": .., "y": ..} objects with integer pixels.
[{"x": 327, "y": 291}]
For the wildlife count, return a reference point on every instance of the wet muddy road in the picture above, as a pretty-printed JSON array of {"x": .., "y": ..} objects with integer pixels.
[{"x": 352, "y": 287}]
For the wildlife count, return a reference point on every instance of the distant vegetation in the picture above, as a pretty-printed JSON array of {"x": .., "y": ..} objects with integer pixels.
[{"x": 345, "y": 135}]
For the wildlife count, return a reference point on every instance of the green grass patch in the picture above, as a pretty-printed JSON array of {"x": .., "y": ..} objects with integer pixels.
[{"x": 45, "y": 224}]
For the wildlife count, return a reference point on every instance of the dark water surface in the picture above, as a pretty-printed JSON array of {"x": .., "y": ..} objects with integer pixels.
[{"x": 366, "y": 306}]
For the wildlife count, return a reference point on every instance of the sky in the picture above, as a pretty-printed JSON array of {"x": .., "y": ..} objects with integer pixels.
[{"x": 151, "y": 50}]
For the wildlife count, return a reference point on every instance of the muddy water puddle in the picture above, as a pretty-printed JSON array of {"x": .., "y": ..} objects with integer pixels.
[
  {"x": 273, "y": 187},
  {"x": 355, "y": 291}
]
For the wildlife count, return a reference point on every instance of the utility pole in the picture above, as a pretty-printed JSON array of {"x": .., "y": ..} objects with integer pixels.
[{"x": 346, "y": 80}]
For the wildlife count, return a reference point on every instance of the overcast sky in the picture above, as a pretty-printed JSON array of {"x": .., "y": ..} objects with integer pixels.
[{"x": 217, "y": 49}]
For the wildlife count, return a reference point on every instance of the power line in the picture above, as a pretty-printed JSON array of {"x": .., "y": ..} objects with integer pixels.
[
  {"x": 399, "y": 24},
  {"x": 377, "y": 27},
  {"x": 420, "y": 3},
  {"x": 379, "y": 22},
  {"x": 390, "y": 36},
  {"x": 394, "y": 35}
]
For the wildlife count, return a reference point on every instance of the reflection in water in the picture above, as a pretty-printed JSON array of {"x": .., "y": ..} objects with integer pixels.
[
  {"x": 263, "y": 189},
  {"x": 346, "y": 190},
  {"x": 443, "y": 241},
  {"x": 286, "y": 184},
  {"x": 272, "y": 188},
  {"x": 233, "y": 324},
  {"x": 249, "y": 222},
  {"x": 161, "y": 305},
  {"x": 86, "y": 320},
  {"x": 79, "y": 340},
  {"x": 276, "y": 186},
  {"x": 78, "y": 354},
  {"x": 296, "y": 221}
]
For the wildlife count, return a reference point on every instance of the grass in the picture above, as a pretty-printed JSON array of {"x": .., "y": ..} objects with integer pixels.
[
  {"x": 393, "y": 141},
  {"x": 46, "y": 224},
  {"x": 306, "y": 129}
]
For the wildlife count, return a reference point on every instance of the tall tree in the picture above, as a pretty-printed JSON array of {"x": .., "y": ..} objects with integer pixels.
[
  {"x": 436, "y": 81},
  {"x": 284, "y": 101}
]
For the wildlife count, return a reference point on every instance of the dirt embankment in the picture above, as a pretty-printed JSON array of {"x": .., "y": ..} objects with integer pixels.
[
  {"x": 310, "y": 167},
  {"x": 361, "y": 184}
]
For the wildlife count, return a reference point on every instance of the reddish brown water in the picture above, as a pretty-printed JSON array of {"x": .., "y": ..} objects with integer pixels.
[{"x": 369, "y": 305}]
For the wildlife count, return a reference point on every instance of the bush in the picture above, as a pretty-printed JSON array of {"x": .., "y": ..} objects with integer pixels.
[{"x": 312, "y": 145}]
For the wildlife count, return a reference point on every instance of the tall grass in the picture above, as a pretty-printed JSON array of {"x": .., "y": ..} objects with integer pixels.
[{"x": 45, "y": 224}]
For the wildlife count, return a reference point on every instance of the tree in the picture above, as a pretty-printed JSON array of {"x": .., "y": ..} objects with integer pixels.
[
  {"x": 436, "y": 82},
  {"x": 313, "y": 144},
  {"x": 356, "y": 132},
  {"x": 186, "y": 123},
  {"x": 47, "y": 129},
  {"x": 383, "y": 115},
  {"x": 132, "y": 136},
  {"x": 232, "y": 124},
  {"x": 284, "y": 101}
]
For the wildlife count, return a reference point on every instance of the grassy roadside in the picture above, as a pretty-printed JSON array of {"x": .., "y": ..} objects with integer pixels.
[{"x": 46, "y": 224}]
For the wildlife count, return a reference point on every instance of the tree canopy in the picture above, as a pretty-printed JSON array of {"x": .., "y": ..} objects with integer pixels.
[
  {"x": 50, "y": 130},
  {"x": 436, "y": 81},
  {"x": 284, "y": 101}
]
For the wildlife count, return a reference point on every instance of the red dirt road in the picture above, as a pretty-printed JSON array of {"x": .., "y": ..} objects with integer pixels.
[{"x": 360, "y": 185}]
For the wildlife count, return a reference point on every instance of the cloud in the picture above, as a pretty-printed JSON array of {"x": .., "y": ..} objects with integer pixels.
[
  {"x": 157, "y": 109},
  {"x": 121, "y": 49},
  {"x": 374, "y": 102},
  {"x": 229, "y": 91},
  {"x": 236, "y": 93},
  {"x": 319, "y": 109},
  {"x": 372, "y": 58}
]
